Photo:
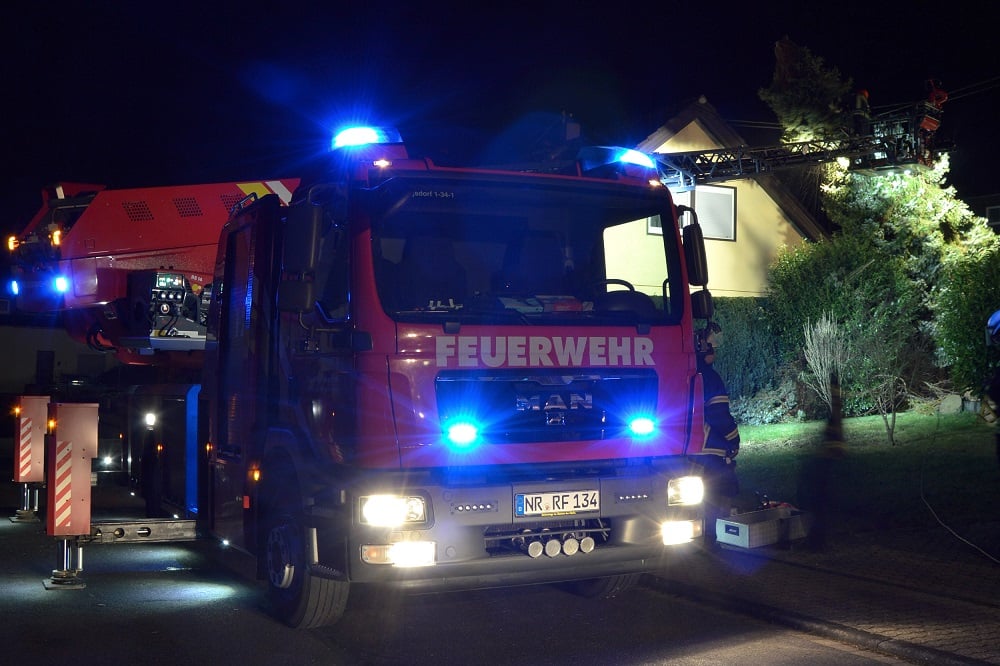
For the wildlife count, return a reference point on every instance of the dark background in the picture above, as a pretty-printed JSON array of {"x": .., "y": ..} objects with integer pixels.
[{"x": 142, "y": 93}]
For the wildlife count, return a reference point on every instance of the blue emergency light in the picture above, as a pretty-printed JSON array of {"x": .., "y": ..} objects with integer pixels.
[
  {"x": 595, "y": 157},
  {"x": 365, "y": 136},
  {"x": 641, "y": 426},
  {"x": 635, "y": 157},
  {"x": 462, "y": 434}
]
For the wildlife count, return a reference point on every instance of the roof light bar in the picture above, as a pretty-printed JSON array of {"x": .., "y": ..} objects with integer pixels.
[
  {"x": 595, "y": 157},
  {"x": 365, "y": 136},
  {"x": 635, "y": 157}
]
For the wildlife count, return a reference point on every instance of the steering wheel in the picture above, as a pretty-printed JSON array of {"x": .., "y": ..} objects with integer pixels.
[{"x": 624, "y": 283}]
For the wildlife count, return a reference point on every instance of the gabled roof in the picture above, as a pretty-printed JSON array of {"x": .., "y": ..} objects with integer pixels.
[{"x": 723, "y": 134}]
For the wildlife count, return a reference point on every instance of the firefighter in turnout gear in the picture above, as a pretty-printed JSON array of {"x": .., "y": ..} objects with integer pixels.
[
  {"x": 991, "y": 389},
  {"x": 722, "y": 436}
]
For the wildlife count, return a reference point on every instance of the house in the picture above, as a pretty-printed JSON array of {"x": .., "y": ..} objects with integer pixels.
[
  {"x": 41, "y": 355},
  {"x": 987, "y": 206},
  {"x": 745, "y": 221}
]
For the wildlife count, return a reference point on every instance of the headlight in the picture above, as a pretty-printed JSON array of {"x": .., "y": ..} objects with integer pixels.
[
  {"x": 685, "y": 490},
  {"x": 392, "y": 510}
]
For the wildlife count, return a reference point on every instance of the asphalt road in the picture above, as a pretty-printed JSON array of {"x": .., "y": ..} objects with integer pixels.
[{"x": 195, "y": 603}]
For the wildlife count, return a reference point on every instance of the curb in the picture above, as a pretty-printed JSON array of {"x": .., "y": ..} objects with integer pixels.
[{"x": 831, "y": 630}]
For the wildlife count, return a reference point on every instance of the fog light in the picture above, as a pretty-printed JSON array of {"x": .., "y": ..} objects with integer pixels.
[
  {"x": 400, "y": 554},
  {"x": 678, "y": 531}
]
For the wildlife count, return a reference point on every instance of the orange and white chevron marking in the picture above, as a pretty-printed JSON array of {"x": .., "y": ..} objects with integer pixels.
[
  {"x": 24, "y": 455},
  {"x": 63, "y": 488}
]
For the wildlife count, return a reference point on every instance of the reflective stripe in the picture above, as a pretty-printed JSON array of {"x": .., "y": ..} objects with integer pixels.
[
  {"x": 279, "y": 188},
  {"x": 264, "y": 188}
]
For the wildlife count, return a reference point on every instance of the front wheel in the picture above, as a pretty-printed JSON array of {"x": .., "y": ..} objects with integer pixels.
[{"x": 299, "y": 598}]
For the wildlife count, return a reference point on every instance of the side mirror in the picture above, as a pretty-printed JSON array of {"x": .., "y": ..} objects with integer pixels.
[
  {"x": 702, "y": 306},
  {"x": 303, "y": 231},
  {"x": 694, "y": 250},
  {"x": 303, "y": 234}
]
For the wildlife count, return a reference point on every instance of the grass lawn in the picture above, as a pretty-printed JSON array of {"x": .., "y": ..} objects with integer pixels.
[{"x": 948, "y": 463}]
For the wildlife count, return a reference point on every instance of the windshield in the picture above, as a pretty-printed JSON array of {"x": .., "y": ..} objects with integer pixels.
[{"x": 474, "y": 253}]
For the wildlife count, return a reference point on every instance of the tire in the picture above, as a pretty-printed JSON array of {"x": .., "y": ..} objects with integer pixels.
[
  {"x": 297, "y": 597},
  {"x": 603, "y": 588}
]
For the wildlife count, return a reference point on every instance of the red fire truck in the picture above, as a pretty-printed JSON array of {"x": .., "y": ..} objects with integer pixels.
[
  {"x": 428, "y": 377},
  {"x": 79, "y": 251}
]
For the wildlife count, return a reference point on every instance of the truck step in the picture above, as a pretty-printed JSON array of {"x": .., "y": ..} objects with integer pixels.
[{"x": 145, "y": 531}]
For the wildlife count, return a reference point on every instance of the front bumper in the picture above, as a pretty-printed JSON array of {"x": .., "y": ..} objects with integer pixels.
[{"x": 474, "y": 537}]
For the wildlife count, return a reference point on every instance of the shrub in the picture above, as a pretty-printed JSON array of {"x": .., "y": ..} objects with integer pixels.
[
  {"x": 749, "y": 363},
  {"x": 962, "y": 306},
  {"x": 748, "y": 357},
  {"x": 768, "y": 405},
  {"x": 866, "y": 293}
]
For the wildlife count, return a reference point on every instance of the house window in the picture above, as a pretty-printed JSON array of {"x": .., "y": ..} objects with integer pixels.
[
  {"x": 993, "y": 217},
  {"x": 716, "y": 208}
]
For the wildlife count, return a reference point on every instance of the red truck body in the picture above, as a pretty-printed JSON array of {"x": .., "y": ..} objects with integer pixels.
[
  {"x": 78, "y": 251},
  {"x": 424, "y": 377}
]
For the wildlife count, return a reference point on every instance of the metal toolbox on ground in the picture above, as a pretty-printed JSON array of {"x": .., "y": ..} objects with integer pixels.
[{"x": 761, "y": 528}]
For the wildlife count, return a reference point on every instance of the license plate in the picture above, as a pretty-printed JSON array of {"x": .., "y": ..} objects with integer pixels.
[{"x": 562, "y": 503}]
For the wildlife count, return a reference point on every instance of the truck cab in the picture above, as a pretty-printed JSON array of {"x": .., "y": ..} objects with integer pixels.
[{"x": 432, "y": 378}]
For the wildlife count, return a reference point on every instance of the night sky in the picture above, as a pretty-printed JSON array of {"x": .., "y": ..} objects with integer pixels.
[{"x": 140, "y": 93}]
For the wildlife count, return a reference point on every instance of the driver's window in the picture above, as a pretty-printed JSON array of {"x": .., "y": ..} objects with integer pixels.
[
  {"x": 430, "y": 276},
  {"x": 334, "y": 298}
]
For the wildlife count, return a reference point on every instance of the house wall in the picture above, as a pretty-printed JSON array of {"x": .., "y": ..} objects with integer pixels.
[
  {"x": 29, "y": 350},
  {"x": 634, "y": 255},
  {"x": 739, "y": 268}
]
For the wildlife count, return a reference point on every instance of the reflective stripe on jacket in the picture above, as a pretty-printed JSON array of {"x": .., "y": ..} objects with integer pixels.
[{"x": 722, "y": 435}]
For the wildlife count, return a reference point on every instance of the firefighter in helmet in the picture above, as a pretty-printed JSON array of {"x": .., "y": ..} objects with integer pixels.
[
  {"x": 722, "y": 435},
  {"x": 862, "y": 113}
]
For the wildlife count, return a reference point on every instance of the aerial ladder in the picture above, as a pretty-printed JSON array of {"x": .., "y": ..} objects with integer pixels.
[{"x": 894, "y": 142}]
